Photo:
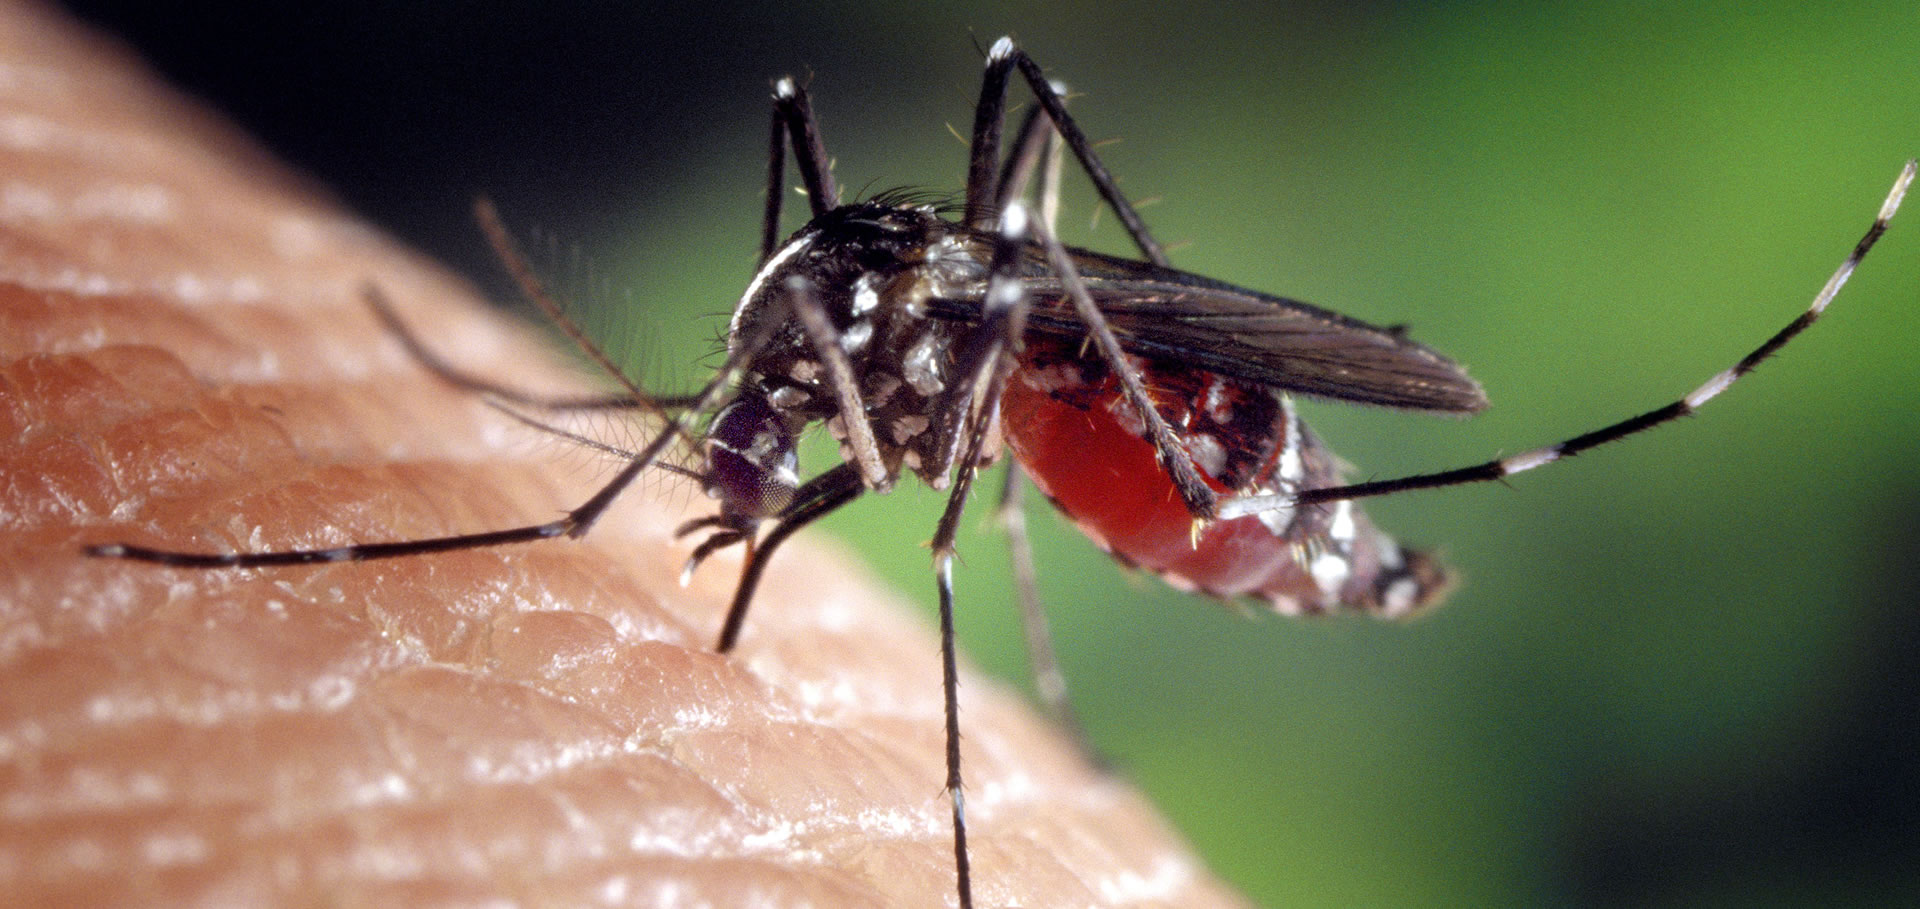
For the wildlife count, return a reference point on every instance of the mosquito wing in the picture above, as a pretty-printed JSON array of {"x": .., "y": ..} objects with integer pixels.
[{"x": 1178, "y": 317}]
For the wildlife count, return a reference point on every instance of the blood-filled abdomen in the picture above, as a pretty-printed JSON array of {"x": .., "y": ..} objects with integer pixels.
[{"x": 1084, "y": 447}]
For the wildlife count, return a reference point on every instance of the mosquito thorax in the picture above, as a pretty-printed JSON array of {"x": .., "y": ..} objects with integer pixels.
[{"x": 871, "y": 266}]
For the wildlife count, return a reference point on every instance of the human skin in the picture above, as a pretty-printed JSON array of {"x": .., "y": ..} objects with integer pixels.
[{"x": 187, "y": 361}]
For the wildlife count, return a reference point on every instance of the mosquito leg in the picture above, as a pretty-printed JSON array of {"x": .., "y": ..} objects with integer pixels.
[
  {"x": 1003, "y": 319},
  {"x": 1103, "y": 180},
  {"x": 976, "y": 405},
  {"x": 1047, "y": 679},
  {"x": 950, "y": 691},
  {"x": 1029, "y": 145},
  {"x": 1042, "y": 659},
  {"x": 943, "y": 552},
  {"x": 815, "y": 499},
  {"x": 1050, "y": 178},
  {"x": 985, "y": 352},
  {"x": 983, "y": 152},
  {"x": 846, "y": 387},
  {"x": 1002, "y": 59},
  {"x": 1200, "y": 498},
  {"x": 1037, "y": 144},
  {"x": 776, "y": 181},
  {"x": 575, "y": 524},
  {"x": 793, "y": 123},
  {"x": 1540, "y": 457}
]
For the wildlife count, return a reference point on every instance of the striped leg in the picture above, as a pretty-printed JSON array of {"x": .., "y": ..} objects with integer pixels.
[
  {"x": 1540, "y": 457},
  {"x": 575, "y": 523}
]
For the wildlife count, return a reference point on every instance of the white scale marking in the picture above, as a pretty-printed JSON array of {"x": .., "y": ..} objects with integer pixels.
[
  {"x": 760, "y": 280},
  {"x": 1207, "y": 453},
  {"x": 865, "y": 298},
  {"x": 787, "y": 396},
  {"x": 1215, "y": 402},
  {"x": 1330, "y": 570},
  {"x": 922, "y": 367},
  {"x": 855, "y": 338},
  {"x": 1005, "y": 294},
  {"x": 1013, "y": 221},
  {"x": 1342, "y": 528},
  {"x": 1713, "y": 386},
  {"x": 1398, "y": 599},
  {"x": 1528, "y": 460}
]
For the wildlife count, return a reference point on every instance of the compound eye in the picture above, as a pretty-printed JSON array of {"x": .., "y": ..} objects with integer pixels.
[{"x": 752, "y": 462}]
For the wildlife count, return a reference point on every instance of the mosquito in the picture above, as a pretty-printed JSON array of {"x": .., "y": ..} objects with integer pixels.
[{"x": 1153, "y": 407}]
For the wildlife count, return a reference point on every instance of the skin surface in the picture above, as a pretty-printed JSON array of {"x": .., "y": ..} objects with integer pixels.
[{"x": 186, "y": 361}]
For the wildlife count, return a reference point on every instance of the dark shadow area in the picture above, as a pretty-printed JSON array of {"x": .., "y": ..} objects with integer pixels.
[{"x": 1844, "y": 813}]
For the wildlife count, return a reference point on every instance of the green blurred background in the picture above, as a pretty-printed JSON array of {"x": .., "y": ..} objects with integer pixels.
[{"x": 1680, "y": 672}]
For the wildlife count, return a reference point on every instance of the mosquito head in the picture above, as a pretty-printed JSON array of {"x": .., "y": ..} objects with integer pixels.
[{"x": 752, "y": 461}]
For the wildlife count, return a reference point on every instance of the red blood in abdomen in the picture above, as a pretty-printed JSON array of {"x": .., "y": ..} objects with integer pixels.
[{"x": 1104, "y": 476}]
